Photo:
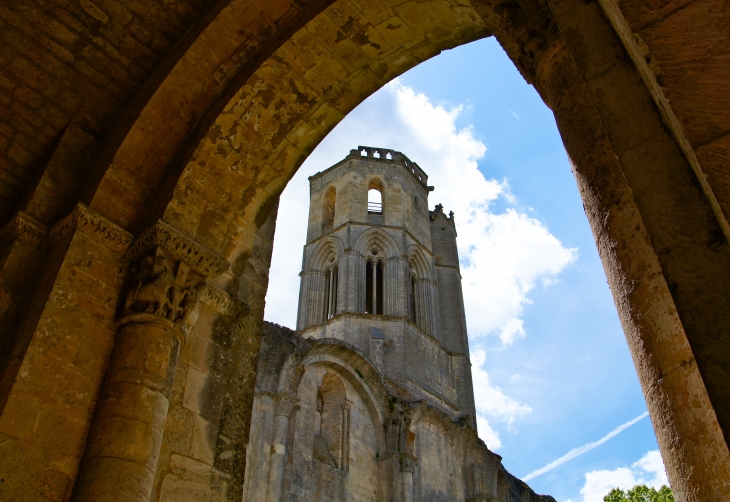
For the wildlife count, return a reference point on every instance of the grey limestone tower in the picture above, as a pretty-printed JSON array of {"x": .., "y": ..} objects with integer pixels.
[{"x": 381, "y": 272}]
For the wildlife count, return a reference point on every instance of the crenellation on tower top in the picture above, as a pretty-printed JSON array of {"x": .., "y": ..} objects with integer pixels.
[{"x": 386, "y": 155}]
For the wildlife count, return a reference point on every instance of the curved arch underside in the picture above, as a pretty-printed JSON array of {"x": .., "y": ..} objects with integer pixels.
[{"x": 217, "y": 117}]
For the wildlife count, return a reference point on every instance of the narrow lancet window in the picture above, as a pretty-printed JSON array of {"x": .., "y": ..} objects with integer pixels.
[
  {"x": 374, "y": 288},
  {"x": 330, "y": 293}
]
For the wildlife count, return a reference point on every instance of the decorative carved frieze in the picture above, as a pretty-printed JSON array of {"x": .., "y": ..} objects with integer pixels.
[
  {"x": 222, "y": 302},
  {"x": 178, "y": 245},
  {"x": 24, "y": 228},
  {"x": 90, "y": 222}
]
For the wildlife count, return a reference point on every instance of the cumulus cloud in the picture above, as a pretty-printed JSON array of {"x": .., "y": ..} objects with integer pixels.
[
  {"x": 492, "y": 401},
  {"x": 648, "y": 470},
  {"x": 504, "y": 254}
]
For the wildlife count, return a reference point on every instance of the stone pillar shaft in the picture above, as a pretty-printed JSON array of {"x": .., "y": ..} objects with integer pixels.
[
  {"x": 124, "y": 442},
  {"x": 278, "y": 454},
  {"x": 406, "y": 472},
  {"x": 159, "y": 309},
  {"x": 651, "y": 223},
  {"x": 284, "y": 408}
]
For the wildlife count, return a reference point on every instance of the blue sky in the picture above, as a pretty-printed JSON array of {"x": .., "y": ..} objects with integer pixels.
[{"x": 552, "y": 370}]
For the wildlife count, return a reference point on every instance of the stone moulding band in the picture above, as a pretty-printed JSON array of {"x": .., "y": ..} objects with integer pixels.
[
  {"x": 178, "y": 245},
  {"x": 89, "y": 221},
  {"x": 165, "y": 323},
  {"x": 222, "y": 302},
  {"x": 22, "y": 227}
]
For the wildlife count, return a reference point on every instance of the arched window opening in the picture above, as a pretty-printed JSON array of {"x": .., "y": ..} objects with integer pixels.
[
  {"x": 374, "y": 288},
  {"x": 328, "y": 209},
  {"x": 332, "y": 423},
  {"x": 330, "y": 293},
  {"x": 375, "y": 201}
]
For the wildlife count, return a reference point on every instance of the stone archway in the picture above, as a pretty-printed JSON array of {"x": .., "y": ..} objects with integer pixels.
[{"x": 195, "y": 164}]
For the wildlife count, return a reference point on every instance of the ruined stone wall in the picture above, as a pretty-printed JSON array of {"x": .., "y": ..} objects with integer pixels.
[
  {"x": 394, "y": 443},
  {"x": 438, "y": 475}
]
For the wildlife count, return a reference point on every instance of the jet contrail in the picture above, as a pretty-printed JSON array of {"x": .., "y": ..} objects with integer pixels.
[{"x": 577, "y": 452}]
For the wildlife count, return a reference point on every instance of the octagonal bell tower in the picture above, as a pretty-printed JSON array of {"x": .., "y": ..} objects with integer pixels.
[{"x": 381, "y": 273}]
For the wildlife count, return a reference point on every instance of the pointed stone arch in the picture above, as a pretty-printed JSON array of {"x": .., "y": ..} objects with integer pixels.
[
  {"x": 376, "y": 238},
  {"x": 419, "y": 263},
  {"x": 329, "y": 250}
]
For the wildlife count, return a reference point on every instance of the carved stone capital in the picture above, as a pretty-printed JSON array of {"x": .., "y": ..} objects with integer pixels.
[
  {"x": 285, "y": 405},
  {"x": 22, "y": 227},
  {"x": 178, "y": 246},
  {"x": 90, "y": 222},
  {"x": 165, "y": 288},
  {"x": 408, "y": 463},
  {"x": 346, "y": 405}
]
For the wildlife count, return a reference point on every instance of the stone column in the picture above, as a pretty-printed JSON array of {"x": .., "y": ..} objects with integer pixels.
[
  {"x": 407, "y": 467},
  {"x": 345, "y": 442},
  {"x": 375, "y": 287},
  {"x": 652, "y": 223},
  {"x": 285, "y": 406},
  {"x": 331, "y": 299},
  {"x": 159, "y": 309}
]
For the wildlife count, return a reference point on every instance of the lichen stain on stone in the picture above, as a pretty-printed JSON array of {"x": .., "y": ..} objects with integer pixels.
[
  {"x": 267, "y": 96},
  {"x": 361, "y": 38}
]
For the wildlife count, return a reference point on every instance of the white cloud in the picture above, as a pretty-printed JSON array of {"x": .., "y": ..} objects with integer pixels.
[
  {"x": 648, "y": 470},
  {"x": 507, "y": 254},
  {"x": 504, "y": 255},
  {"x": 488, "y": 435},
  {"x": 491, "y": 401}
]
